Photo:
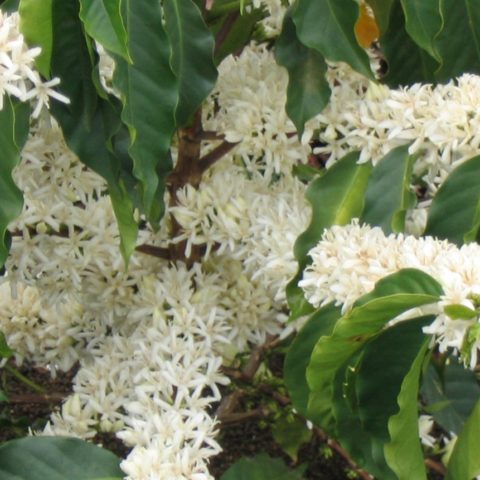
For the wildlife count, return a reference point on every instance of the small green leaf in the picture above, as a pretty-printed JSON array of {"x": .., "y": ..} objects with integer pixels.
[
  {"x": 149, "y": 92},
  {"x": 5, "y": 350},
  {"x": 298, "y": 356},
  {"x": 404, "y": 451},
  {"x": 381, "y": 10},
  {"x": 454, "y": 210},
  {"x": 458, "y": 41},
  {"x": 36, "y": 26},
  {"x": 103, "y": 22},
  {"x": 459, "y": 312},
  {"x": 56, "y": 458},
  {"x": 357, "y": 327},
  {"x": 407, "y": 62},
  {"x": 336, "y": 197},
  {"x": 291, "y": 432},
  {"x": 465, "y": 462},
  {"x": 308, "y": 91},
  {"x": 328, "y": 26},
  {"x": 192, "y": 55},
  {"x": 261, "y": 467},
  {"x": 14, "y": 119},
  {"x": 389, "y": 193},
  {"x": 450, "y": 391},
  {"x": 423, "y": 22}
]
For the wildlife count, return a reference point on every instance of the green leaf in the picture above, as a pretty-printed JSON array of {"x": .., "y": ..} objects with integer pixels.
[
  {"x": 261, "y": 467},
  {"x": 423, "y": 22},
  {"x": 103, "y": 22},
  {"x": 36, "y": 26},
  {"x": 336, "y": 197},
  {"x": 328, "y": 27},
  {"x": 56, "y": 458},
  {"x": 89, "y": 123},
  {"x": 465, "y": 462},
  {"x": 358, "y": 326},
  {"x": 192, "y": 56},
  {"x": 298, "y": 355},
  {"x": 381, "y": 10},
  {"x": 404, "y": 451},
  {"x": 388, "y": 193},
  {"x": 5, "y": 350},
  {"x": 454, "y": 214},
  {"x": 149, "y": 93},
  {"x": 458, "y": 41},
  {"x": 14, "y": 119},
  {"x": 291, "y": 432},
  {"x": 407, "y": 62},
  {"x": 308, "y": 91},
  {"x": 459, "y": 312},
  {"x": 453, "y": 390}
]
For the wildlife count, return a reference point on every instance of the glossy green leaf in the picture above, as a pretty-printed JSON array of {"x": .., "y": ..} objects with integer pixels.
[
  {"x": 89, "y": 123},
  {"x": 328, "y": 27},
  {"x": 459, "y": 312},
  {"x": 298, "y": 356},
  {"x": 36, "y": 26},
  {"x": 382, "y": 10},
  {"x": 56, "y": 458},
  {"x": 389, "y": 192},
  {"x": 358, "y": 326},
  {"x": 308, "y": 91},
  {"x": 452, "y": 390},
  {"x": 5, "y": 350},
  {"x": 404, "y": 452},
  {"x": 336, "y": 197},
  {"x": 458, "y": 41},
  {"x": 192, "y": 55},
  {"x": 407, "y": 62},
  {"x": 291, "y": 432},
  {"x": 10, "y": 6},
  {"x": 454, "y": 214},
  {"x": 14, "y": 121},
  {"x": 423, "y": 22},
  {"x": 261, "y": 467},
  {"x": 465, "y": 462},
  {"x": 149, "y": 93},
  {"x": 103, "y": 22}
]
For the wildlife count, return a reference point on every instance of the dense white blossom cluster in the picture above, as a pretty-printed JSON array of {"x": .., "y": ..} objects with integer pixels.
[
  {"x": 440, "y": 122},
  {"x": 275, "y": 11},
  {"x": 18, "y": 75},
  {"x": 349, "y": 260},
  {"x": 149, "y": 342}
]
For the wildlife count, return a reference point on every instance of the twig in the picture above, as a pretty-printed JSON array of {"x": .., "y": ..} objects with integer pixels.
[
  {"x": 258, "y": 413},
  {"x": 24, "y": 379},
  {"x": 154, "y": 251},
  {"x": 343, "y": 453},
  {"x": 225, "y": 30},
  {"x": 37, "y": 398},
  {"x": 216, "y": 154},
  {"x": 435, "y": 466},
  {"x": 212, "y": 136}
]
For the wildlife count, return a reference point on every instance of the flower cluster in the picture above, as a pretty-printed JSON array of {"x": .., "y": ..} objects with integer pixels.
[
  {"x": 149, "y": 342},
  {"x": 440, "y": 122},
  {"x": 349, "y": 260},
  {"x": 18, "y": 76}
]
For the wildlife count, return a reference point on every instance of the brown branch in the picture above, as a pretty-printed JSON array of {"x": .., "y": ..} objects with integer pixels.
[
  {"x": 37, "y": 398},
  {"x": 257, "y": 414},
  {"x": 154, "y": 251},
  {"x": 225, "y": 30},
  {"x": 343, "y": 453},
  {"x": 209, "y": 135},
  {"x": 216, "y": 154},
  {"x": 435, "y": 466}
]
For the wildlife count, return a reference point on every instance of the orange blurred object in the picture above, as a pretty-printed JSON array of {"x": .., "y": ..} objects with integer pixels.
[{"x": 366, "y": 28}]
